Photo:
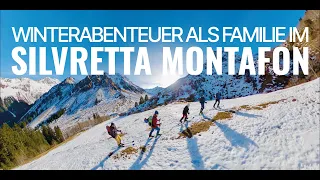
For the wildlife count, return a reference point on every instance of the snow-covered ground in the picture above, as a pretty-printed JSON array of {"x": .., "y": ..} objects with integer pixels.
[{"x": 282, "y": 136}]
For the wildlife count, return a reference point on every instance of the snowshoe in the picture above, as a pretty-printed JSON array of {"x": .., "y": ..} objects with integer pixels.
[
  {"x": 183, "y": 122},
  {"x": 121, "y": 145}
]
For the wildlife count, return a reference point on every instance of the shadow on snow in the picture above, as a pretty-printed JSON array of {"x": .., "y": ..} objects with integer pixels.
[
  {"x": 205, "y": 117},
  {"x": 236, "y": 139},
  {"x": 247, "y": 114},
  {"x": 104, "y": 160},
  {"x": 138, "y": 164},
  {"x": 196, "y": 158}
]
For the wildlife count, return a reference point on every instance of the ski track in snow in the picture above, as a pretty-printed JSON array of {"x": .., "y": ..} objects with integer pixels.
[{"x": 282, "y": 136}]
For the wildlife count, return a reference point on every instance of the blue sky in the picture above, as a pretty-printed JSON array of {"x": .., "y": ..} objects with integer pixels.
[{"x": 184, "y": 19}]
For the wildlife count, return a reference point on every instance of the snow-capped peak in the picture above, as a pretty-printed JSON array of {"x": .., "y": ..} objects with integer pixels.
[
  {"x": 48, "y": 80},
  {"x": 18, "y": 94},
  {"x": 112, "y": 93},
  {"x": 124, "y": 83},
  {"x": 69, "y": 80},
  {"x": 25, "y": 89}
]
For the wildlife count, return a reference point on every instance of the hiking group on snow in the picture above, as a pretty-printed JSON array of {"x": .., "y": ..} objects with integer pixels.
[{"x": 154, "y": 122}]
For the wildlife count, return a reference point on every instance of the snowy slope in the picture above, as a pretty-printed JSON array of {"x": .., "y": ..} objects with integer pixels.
[
  {"x": 282, "y": 136},
  {"x": 103, "y": 94}
]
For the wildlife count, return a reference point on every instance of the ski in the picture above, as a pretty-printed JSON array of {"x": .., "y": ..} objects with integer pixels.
[
  {"x": 157, "y": 136},
  {"x": 181, "y": 123},
  {"x": 127, "y": 144}
]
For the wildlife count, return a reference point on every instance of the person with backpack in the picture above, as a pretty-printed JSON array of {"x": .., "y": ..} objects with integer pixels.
[
  {"x": 113, "y": 132},
  {"x": 185, "y": 113},
  {"x": 202, "y": 101},
  {"x": 148, "y": 120},
  {"x": 155, "y": 125},
  {"x": 218, "y": 97}
]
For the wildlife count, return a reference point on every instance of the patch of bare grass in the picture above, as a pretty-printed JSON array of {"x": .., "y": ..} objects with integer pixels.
[
  {"x": 196, "y": 128},
  {"x": 222, "y": 115},
  {"x": 124, "y": 153}
]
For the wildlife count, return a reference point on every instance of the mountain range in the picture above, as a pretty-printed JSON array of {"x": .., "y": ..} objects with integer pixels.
[
  {"x": 36, "y": 101},
  {"x": 95, "y": 94},
  {"x": 17, "y": 96},
  {"x": 190, "y": 88}
]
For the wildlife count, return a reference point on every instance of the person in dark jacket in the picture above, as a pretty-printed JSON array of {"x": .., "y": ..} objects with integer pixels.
[
  {"x": 155, "y": 124},
  {"x": 114, "y": 133},
  {"x": 185, "y": 113},
  {"x": 202, "y": 101},
  {"x": 218, "y": 97}
]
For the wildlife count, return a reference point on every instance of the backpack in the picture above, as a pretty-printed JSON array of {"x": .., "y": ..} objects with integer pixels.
[
  {"x": 150, "y": 120},
  {"x": 218, "y": 95},
  {"x": 109, "y": 130},
  {"x": 202, "y": 100},
  {"x": 185, "y": 110}
]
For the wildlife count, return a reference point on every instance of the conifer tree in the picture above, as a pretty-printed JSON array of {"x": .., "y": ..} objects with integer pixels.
[
  {"x": 45, "y": 132},
  {"x": 52, "y": 135},
  {"x": 141, "y": 100},
  {"x": 17, "y": 145},
  {"x": 7, "y": 136},
  {"x": 59, "y": 134}
]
